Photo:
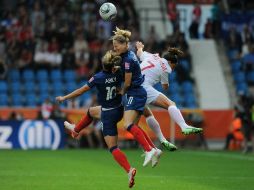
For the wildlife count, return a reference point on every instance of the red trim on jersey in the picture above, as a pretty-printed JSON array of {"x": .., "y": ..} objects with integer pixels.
[{"x": 149, "y": 66}]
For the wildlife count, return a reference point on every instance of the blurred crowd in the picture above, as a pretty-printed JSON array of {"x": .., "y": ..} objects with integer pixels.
[
  {"x": 68, "y": 35},
  {"x": 58, "y": 34}
]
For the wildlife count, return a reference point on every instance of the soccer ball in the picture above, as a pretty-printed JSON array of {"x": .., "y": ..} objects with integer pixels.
[{"x": 108, "y": 11}]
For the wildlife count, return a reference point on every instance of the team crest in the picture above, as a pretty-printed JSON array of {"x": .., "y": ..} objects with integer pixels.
[{"x": 127, "y": 65}]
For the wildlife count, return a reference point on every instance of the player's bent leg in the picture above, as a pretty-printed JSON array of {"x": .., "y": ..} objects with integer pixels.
[
  {"x": 120, "y": 158},
  {"x": 95, "y": 112},
  {"x": 70, "y": 127},
  {"x": 154, "y": 125},
  {"x": 176, "y": 115}
]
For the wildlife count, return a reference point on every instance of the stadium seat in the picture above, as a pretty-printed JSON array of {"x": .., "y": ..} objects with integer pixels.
[
  {"x": 173, "y": 87},
  {"x": 28, "y": 75},
  {"x": 29, "y": 87},
  {"x": 3, "y": 86},
  {"x": 242, "y": 88},
  {"x": 3, "y": 99},
  {"x": 158, "y": 87},
  {"x": 71, "y": 86},
  {"x": 178, "y": 99},
  {"x": 190, "y": 101},
  {"x": 250, "y": 77},
  {"x": 57, "y": 88},
  {"x": 31, "y": 100},
  {"x": 42, "y": 97},
  {"x": 69, "y": 75},
  {"x": 56, "y": 75},
  {"x": 185, "y": 64},
  {"x": 17, "y": 100},
  {"x": 239, "y": 77},
  {"x": 15, "y": 87},
  {"x": 172, "y": 77},
  {"x": 14, "y": 75},
  {"x": 236, "y": 66},
  {"x": 187, "y": 87},
  {"x": 42, "y": 75},
  {"x": 232, "y": 54},
  {"x": 43, "y": 86}
]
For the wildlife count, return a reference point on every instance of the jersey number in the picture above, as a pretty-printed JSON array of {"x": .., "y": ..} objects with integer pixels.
[
  {"x": 150, "y": 65},
  {"x": 111, "y": 92},
  {"x": 130, "y": 100}
]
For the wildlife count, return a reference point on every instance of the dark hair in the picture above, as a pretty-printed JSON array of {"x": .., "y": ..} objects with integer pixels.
[{"x": 172, "y": 55}]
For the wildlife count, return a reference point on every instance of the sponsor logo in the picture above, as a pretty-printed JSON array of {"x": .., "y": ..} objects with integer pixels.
[{"x": 39, "y": 134}]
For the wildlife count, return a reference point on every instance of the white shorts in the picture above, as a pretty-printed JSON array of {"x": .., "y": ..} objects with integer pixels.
[{"x": 152, "y": 93}]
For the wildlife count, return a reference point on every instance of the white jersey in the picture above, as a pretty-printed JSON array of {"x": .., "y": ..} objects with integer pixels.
[{"x": 155, "y": 69}]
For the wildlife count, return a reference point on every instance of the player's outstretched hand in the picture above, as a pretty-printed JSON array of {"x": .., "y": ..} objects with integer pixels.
[
  {"x": 60, "y": 99},
  {"x": 139, "y": 45}
]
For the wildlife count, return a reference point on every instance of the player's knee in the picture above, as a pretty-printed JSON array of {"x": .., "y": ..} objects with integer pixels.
[{"x": 171, "y": 103}]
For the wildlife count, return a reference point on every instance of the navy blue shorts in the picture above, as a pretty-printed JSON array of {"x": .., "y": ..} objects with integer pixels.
[
  {"x": 136, "y": 100},
  {"x": 109, "y": 120}
]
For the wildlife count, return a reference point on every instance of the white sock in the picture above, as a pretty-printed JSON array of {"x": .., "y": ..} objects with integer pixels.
[
  {"x": 155, "y": 126},
  {"x": 176, "y": 115}
]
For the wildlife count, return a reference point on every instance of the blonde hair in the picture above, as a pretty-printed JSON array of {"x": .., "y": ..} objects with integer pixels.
[
  {"x": 122, "y": 36},
  {"x": 110, "y": 60}
]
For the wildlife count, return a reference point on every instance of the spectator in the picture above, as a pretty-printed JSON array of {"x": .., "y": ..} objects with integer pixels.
[
  {"x": 16, "y": 116},
  {"x": 173, "y": 14},
  {"x": 234, "y": 40},
  {"x": 244, "y": 106},
  {"x": 235, "y": 133},
  {"x": 46, "y": 109},
  {"x": 69, "y": 60},
  {"x": 3, "y": 69},
  {"x": 57, "y": 113},
  {"x": 196, "y": 15},
  {"x": 208, "y": 29}
]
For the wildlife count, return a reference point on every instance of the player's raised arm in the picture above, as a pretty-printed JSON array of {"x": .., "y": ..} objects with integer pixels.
[
  {"x": 73, "y": 94},
  {"x": 140, "y": 47}
]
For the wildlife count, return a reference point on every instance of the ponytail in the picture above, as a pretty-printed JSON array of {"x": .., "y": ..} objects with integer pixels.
[{"x": 172, "y": 55}]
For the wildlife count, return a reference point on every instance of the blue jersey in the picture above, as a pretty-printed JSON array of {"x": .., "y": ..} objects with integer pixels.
[
  {"x": 130, "y": 64},
  {"x": 107, "y": 84}
]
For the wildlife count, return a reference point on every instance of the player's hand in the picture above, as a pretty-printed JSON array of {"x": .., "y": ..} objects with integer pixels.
[
  {"x": 119, "y": 91},
  {"x": 60, "y": 99},
  {"x": 139, "y": 45}
]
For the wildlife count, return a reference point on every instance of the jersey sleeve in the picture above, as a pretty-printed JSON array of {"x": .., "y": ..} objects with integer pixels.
[
  {"x": 164, "y": 78},
  {"x": 92, "y": 81},
  {"x": 144, "y": 55}
]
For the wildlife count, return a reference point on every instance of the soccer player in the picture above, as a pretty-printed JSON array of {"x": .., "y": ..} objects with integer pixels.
[
  {"x": 108, "y": 83},
  {"x": 157, "y": 69},
  {"x": 135, "y": 94}
]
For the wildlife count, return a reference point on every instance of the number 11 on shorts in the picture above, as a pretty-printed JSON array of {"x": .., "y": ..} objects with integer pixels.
[{"x": 130, "y": 100}]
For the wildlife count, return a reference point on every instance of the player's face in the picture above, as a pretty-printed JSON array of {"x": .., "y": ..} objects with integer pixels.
[
  {"x": 172, "y": 65},
  {"x": 119, "y": 48}
]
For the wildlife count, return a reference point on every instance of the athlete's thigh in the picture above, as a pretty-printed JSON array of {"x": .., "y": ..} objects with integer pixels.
[
  {"x": 109, "y": 120},
  {"x": 130, "y": 117},
  {"x": 95, "y": 112},
  {"x": 152, "y": 94},
  {"x": 163, "y": 102}
]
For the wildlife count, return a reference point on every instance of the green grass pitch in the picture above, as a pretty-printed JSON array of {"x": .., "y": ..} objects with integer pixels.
[{"x": 96, "y": 169}]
